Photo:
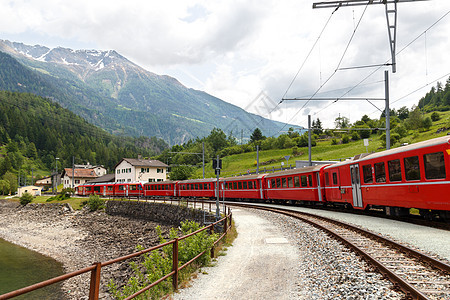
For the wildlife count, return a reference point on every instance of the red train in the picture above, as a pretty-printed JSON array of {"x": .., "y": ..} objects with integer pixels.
[{"x": 413, "y": 176}]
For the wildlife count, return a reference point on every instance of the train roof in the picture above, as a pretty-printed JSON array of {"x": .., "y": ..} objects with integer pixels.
[
  {"x": 424, "y": 144},
  {"x": 198, "y": 180},
  {"x": 297, "y": 171},
  {"x": 244, "y": 177},
  {"x": 162, "y": 182}
]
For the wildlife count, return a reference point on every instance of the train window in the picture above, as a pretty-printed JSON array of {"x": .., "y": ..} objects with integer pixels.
[
  {"x": 283, "y": 181},
  {"x": 132, "y": 187},
  {"x": 250, "y": 185},
  {"x": 110, "y": 188},
  {"x": 327, "y": 179},
  {"x": 412, "y": 168},
  {"x": 235, "y": 185},
  {"x": 273, "y": 184},
  {"x": 245, "y": 185},
  {"x": 380, "y": 172},
  {"x": 367, "y": 173},
  {"x": 290, "y": 182},
  {"x": 121, "y": 188},
  {"x": 88, "y": 189},
  {"x": 304, "y": 181},
  {"x": 240, "y": 185},
  {"x": 196, "y": 186},
  {"x": 394, "y": 169},
  {"x": 278, "y": 180},
  {"x": 335, "y": 181},
  {"x": 434, "y": 165},
  {"x": 310, "y": 180},
  {"x": 296, "y": 181}
]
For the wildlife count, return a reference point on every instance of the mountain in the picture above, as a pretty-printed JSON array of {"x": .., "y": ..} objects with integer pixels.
[{"x": 112, "y": 92}]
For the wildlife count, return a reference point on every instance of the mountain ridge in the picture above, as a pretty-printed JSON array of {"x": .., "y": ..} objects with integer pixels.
[{"x": 166, "y": 108}]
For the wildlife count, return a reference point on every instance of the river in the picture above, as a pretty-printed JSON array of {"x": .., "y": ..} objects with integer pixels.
[{"x": 20, "y": 267}]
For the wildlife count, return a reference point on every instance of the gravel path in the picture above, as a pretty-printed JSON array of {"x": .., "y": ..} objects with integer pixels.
[{"x": 276, "y": 257}]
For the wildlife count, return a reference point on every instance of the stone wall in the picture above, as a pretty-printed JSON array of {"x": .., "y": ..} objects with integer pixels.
[{"x": 157, "y": 212}]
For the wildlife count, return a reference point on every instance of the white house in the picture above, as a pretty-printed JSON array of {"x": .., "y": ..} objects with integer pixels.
[
  {"x": 80, "y": 176},
  {"x": 142, "y": 170}
]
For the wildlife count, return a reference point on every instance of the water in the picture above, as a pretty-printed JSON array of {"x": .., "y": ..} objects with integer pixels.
[{"x": 20, "y": 267}]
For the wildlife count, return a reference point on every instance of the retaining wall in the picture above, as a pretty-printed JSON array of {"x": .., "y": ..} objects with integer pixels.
[{"x": 157, "y": 212}]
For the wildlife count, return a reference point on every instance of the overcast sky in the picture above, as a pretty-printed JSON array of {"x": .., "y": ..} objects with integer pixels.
[{"x": 249, "y": 52}]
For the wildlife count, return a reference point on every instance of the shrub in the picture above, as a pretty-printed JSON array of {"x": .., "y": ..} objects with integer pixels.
[
  {"x": 95, "y": 203},
  {"x": 26, "y": 198},
  {"x": 435, "y": 116},
  {"x": 345, "y": 139},
  {"x": 159, "y": 263},
  {"x": 334, "y": 142}
]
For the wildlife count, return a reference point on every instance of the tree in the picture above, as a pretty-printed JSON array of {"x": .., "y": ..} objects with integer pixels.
[
  {"x": 12, "y": 179},
  {"x": 341, "y": 122},
  {"x": 317, "y": 127},
  {"x": 217, "y": 139},
  {"x": 427, "y": 123},
  {"x": 403, "y": 113},
  {"x": 257, "y": 136},
  {"x": 26, "y": 198},
  {"x": 4, "y": 187},
  {"x": 181, "y": 173}
]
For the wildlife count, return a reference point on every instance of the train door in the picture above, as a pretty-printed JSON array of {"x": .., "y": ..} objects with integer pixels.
[
  {"x": 356, "y": 186},
  {"x": 261, "y": 188},
  {"x": 319, "y": 188}
]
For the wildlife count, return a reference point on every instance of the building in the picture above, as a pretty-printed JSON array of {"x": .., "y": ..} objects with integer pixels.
[
  {"x": 45, "y": 183},
  {"x": 80, "y": 176},
  {"x": 140, "y": 170},
  {"x": 30, "y": 189}
]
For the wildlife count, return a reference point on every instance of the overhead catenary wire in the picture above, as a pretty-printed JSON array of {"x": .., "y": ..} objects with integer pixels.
[{"x": 386, "y": 63}]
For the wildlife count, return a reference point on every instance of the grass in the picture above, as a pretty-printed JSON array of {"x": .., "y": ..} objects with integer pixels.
[
  {"x": 75, "y": 203},
  {"x": 240, "y": 163}
]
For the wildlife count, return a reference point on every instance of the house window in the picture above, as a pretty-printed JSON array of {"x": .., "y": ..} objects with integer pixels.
[
  {"x": 159, "y": 170},
  {"x": 118, "y": 171},
  {"x": 77, "y": 181},
  {"x": 160, "y": 180},
  {"x": 151, "y": 180}
]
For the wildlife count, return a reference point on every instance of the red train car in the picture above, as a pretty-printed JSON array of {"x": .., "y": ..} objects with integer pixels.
[
  {"x": 197, "y": 188},
  {"x": 128, "y": 189},
  {"x": 413, "y": 176},
  {"x": 304, "y": 184},
  {"x": 243, "y": 187},
  {"x": 161, "y": 188}
]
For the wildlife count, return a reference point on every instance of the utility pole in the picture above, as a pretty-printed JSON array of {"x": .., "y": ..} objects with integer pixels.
[
  {"x": 309, "y": 139},
  {"x": 391, "y": 17},
  {"x": 73, "y": 172},
  {"x": 387, "y": 111},
  {"x": 257, "y": 159},
  {"x": 218, "y": 166},
  {"x": 203, "y": 158}
]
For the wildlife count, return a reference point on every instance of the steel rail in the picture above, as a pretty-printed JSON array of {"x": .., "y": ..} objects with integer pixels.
[{"x": 406, "y": 287}]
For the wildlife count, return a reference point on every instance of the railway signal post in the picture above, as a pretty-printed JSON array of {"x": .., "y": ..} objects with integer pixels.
[{"x": 217, "y": 165}]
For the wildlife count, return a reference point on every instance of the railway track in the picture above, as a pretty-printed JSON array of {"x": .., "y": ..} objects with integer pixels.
[{"x": 418, "y": 275}]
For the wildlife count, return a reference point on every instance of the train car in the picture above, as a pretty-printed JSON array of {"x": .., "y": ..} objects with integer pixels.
[
  {"x": 161, "y": 188},
  {"x": 243, "y": 187},
  {"x": 128, "y": 189},
  {"x": 303, "y": 184},
  {"x": 412, "y": 176},
  {"x": 84, "y": 189},
  {"x": 197, "y": 188}
]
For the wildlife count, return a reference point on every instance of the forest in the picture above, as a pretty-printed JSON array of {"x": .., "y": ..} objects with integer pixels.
[{"x": 34, "y": 132}]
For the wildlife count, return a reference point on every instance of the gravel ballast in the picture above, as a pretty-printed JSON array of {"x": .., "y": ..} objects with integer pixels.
[{"x": 313, "y": 265}]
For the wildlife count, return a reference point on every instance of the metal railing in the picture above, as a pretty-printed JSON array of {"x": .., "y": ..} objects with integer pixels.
[{"x": 96, "y": 267}]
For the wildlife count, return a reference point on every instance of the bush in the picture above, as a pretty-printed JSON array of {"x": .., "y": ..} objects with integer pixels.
[
  {"x": 95, "y": 203},
  {"x": 26, "y": 198},
  {"x": 345, "y": 139},
  {"x": 435, "y": 117},
  {"x": 334, "y": 142},
  {"x": 159, "y": 263}
]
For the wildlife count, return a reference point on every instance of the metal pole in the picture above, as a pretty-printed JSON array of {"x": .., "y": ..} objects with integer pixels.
[
  {"x": 73, "y": 172},
  {"x": 309, "y": 139},
  {"x": 217, "y": 189},
  {"x": 388, "y": 125},
  {"x": 257, "y": 159},
  {"x": 203, "y": 156}
]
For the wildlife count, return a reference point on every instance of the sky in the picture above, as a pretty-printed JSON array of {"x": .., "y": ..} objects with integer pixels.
[{"x": 254, "y": 54}]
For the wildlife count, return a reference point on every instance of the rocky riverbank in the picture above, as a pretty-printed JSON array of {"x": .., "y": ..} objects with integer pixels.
[{"x": 76, "y": 238}]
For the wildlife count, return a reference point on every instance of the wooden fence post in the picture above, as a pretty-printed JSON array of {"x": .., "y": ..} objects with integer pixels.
[
  {"x": 175, "y": 264},
  {"x": 94, "y": 288}
]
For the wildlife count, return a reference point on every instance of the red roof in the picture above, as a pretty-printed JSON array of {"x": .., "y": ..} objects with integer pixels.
[{"x": 81, "y": 173}]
